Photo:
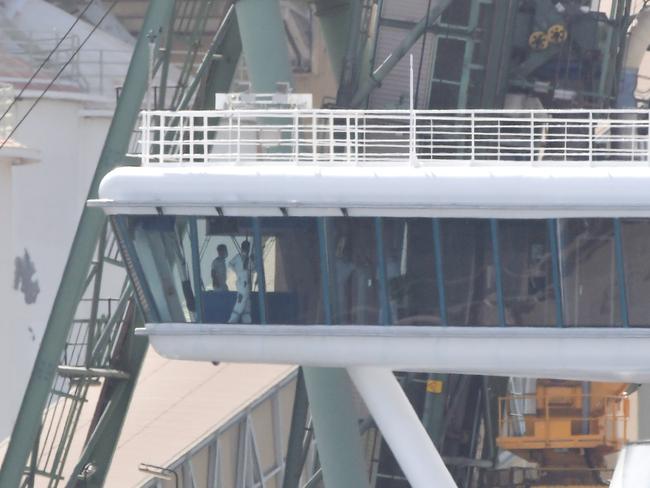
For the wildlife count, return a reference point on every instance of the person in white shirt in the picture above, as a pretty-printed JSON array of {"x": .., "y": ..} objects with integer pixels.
[{"x": 242, "y": 266}]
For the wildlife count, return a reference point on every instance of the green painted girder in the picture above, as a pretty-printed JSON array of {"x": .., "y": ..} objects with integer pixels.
[
  {"x": 375, "y": 79},
  {"x": 81, "y": 253},
  {"x": 336, "y": 427},
  {"x": 350, "y": 69},
  {"x": 295, "y": 449},
  {"x": 264, "y": 43},
  {"x": 116, "y": 395},
  {"x": 334, "y": 18},
  {"x": 265, "y": 48},
  {"x": 219, "y": 71},
  {"x": 495, "y": 83},
  {"x": 100, "y": 446},
  {"x": 200, "y": 17}
]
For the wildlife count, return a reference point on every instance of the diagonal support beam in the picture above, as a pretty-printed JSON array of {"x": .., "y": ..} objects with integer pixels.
[
  {"x": 295, "y": 455},
  {"x": 99, "y": 448},
  {"x": 375, "y": 79},
  {"x": 265, "y": 48},
  {"x": 401, "y": 427},
  {"x": 81, "y": 253}
]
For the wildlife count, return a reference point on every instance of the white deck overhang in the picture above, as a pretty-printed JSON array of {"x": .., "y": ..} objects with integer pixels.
[
  {"x": 453, "y": 190},
  {"x": 584, "y": 354}
]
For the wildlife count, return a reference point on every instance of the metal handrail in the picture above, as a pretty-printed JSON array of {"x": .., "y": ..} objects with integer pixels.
[{"x": 395, "y": 137}]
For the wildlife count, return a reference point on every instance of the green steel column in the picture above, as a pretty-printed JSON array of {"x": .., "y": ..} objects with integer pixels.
[
  {"x": 336, "y": 427},
  {"x": 295, "y": 449},
  {"x": 221, "y": 71},
  {"x": 81, "y": 253},
  {"x": 334, "y": 17},
  {"x": 265, "y": 49},
  {"x": 348, "y": 77},
  {"x": 264, "y": 43},
  {"x": 375, "y": 79},
  {"x": 100, "y": 446}
]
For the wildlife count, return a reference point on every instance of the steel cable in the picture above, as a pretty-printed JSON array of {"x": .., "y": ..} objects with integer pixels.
[
  {"x": 45, "y": 61},
  {"x": 56, "y": 77}
]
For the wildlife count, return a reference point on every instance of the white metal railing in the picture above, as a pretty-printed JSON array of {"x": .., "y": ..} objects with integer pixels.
[
  {"x": 388, "y": 137},
  {"x": 92, "y": 69}
]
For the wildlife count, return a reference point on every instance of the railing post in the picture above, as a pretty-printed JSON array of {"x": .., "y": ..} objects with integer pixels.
[
  {"x": 591, "y": 138},
  {"x": 347, "y": 137},
  {"x": 413, "y": 157},
  {"x": 205, "y": 138},
  {"x": 296, "y": 137},
  {"x": 146, "y": 137},
  {"x": 498, "y": 139},
  {"x": 331, "y": 124},
  {"x": 473, "y": 137},
  {"x": 356, "y": 138},
  {"x": 647, "y": 140},
  {"x": 532, "y": 137},
  {"x": 230, "y": 114},
  {"x": 238, "y": 141},
  {"x": 179, "y": 139},
  {"x": 314, "y": 137},
  {"x": 192, "y": 134}
]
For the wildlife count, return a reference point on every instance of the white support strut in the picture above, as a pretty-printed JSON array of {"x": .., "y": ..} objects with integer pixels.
[{"x": 401, "y": 427}]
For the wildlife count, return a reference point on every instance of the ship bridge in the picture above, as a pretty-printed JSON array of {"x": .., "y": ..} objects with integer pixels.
[
  {"x": 452, "y": 241},
  {"x": 473, "y": 241}
]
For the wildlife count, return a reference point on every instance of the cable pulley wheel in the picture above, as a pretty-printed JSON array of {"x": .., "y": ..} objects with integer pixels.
[
  {"x": 538, "y": 41},
  {"x": 556, "y": 34}
]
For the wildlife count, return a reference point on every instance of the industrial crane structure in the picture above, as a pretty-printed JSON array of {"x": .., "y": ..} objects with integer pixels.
[{"x": 468, "y": 211}]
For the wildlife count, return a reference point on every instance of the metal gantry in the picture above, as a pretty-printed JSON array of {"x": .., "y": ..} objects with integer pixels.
[{"x": 90, "y": 338}]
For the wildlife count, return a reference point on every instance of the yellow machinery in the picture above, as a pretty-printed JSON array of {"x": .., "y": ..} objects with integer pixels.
[{"x": 564, "y": 427}]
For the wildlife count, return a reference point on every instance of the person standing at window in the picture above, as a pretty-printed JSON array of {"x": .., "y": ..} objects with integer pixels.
[
  {"x": 219, "y": 269},
  {"x": 241, "y": 265}
]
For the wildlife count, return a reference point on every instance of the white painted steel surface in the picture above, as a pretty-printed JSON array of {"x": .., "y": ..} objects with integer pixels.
[
  {"x": 401, "y": 428},
  {"x": 379, "y": 137},
  {"x": 450, "y": 191},
  {"x": 584, "y": 354},
  {"x": 632, "y": 468}
]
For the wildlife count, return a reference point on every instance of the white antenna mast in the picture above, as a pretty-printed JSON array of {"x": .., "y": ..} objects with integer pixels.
[
  {"x": 411, "y": 82},
  {"x": 412, "y": 134}
]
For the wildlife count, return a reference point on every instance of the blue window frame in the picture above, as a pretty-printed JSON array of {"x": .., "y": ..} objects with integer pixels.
[{"x": 389, "y": 271}]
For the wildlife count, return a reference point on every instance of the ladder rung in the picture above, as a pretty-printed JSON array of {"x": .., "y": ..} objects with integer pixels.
[
  {"x": 82, "y": 372},
  {"x": 40, "y": 472},
  {"x": 114, "y": 262},
  {"x": 64, "y": 394}
]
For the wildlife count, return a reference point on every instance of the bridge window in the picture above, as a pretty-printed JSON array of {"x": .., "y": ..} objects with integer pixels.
[
  {"x": 410, "y": 270},
  {"x": 526, "y": 260},
  {"x": 636, "y": 264},
  {"x": 590, "y": 290},
  {"x": 388, "y": 271},
  {"x": 469, "y": 272}
]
